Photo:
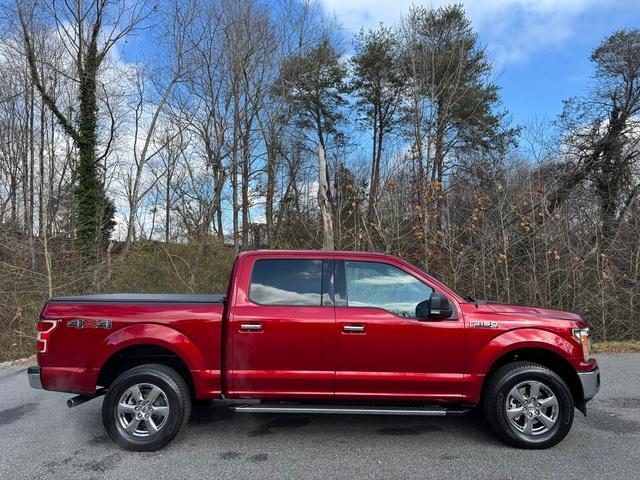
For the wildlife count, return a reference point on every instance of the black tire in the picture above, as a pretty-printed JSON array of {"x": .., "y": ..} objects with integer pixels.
[
  {"x": 175, "y": 394},
  {"x": 495, "y": 398}
]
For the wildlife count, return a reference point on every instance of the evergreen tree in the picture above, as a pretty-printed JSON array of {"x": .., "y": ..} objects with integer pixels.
[
  {"x": 378, "y": 85},
  {"x": 452, "y": 110},
  {"x": 314, "y": 85},
  {"x": 451, "y": 72}
]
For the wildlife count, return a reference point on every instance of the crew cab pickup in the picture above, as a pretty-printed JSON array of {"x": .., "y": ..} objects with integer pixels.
[{"x": 317, "y": 332}]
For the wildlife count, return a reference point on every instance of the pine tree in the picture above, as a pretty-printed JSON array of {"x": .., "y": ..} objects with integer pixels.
[
  {"x": 378, "y": 85},
  {"x": 314, "y": 85}
]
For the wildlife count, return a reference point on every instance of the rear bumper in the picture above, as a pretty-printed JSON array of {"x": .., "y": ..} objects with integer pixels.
[
  {"x": 590, "y": 383},
  {"x": 33, "y": 373}
]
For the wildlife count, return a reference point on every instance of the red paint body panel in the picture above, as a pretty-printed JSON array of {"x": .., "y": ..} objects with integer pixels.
[
  {"x": 292, "y": 356},
  {"x": 398, "y": 356},
  {"x": 302, "y": 352},
  {"x": 75, "y": 356},
  {"x": 518, "y": 328}
]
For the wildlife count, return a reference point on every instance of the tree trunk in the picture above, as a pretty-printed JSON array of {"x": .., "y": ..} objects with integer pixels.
[
  {"x": 234, "y": 176},
  {"x": 421, "y": 175},
  {"x": 245, "y": 186},
  {"x": 89, "y": 193},
  {"x": 217, "y": 199},
  {"x": 323, "y": 201},
  {"x": 167, "y": 208},
  {"x": 271, "y": 186},
  {"x": 375, "y": 169},
  {"x": 438, "y": 162},
  {"x": 25, "y": 171},
  {"x": 41, "y": 196},
  {"x": 30, "y": 179}
]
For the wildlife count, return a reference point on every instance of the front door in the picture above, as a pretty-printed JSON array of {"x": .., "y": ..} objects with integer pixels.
[
  {"x": 383, "y": 350},
  {"x": 282, "y": 330}
]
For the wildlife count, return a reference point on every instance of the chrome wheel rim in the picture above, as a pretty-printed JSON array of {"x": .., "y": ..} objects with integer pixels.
[
  {"x": 143, "y": 410},
  {"x": 532, "y": 408}
]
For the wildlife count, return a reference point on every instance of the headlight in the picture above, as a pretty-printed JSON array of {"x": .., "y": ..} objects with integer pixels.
[{"x": 582, "y": 335}]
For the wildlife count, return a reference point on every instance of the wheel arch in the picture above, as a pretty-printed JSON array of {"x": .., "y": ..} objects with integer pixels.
[
  {"x": 138, "y": 354},
  {"x": 151, "y": 334},
  {"x": 546, "y": 357}
]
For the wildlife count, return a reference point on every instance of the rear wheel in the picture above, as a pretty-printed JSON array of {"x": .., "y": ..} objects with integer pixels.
[
  {"x": 146, "y": 407},
  {"x": 528, "y": 405}
]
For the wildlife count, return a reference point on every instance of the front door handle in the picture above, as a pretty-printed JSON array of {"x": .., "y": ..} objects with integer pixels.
[
  {"x": 353, "y": 328},
  {"x": 251, "y": 327}
]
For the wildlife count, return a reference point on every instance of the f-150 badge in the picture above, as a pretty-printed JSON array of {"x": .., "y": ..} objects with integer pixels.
[
  {"x": 87, "y": 323},
  {"x": 483, "y": 324}
]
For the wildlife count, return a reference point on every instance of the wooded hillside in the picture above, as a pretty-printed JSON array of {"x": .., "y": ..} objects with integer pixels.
[{"x": 143, "y": 144}]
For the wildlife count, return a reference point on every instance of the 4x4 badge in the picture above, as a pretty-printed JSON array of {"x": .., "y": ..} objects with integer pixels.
[{"x": 88, "y": 323}]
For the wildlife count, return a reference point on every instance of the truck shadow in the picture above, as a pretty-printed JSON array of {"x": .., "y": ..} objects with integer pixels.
[{"x": 212, "y": 416}]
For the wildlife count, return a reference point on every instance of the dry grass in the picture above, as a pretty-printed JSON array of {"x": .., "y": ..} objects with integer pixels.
[
  {"x": 628, "y": 346},
  {"x": 32, "y": 360},
  {"x": 147, "y": 267}
]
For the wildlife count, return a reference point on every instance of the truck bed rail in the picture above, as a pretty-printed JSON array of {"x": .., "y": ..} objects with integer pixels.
[{"x": 142, "y": 298}]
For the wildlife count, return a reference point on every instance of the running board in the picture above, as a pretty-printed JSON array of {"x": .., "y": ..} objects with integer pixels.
[{"x": 425, "y": 411}]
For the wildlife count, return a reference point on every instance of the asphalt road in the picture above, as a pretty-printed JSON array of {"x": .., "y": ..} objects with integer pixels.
[{"x": 41, "y": 438}]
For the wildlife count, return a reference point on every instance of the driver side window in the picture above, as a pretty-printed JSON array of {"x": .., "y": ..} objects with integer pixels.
[{"x": 372, "y": 284}]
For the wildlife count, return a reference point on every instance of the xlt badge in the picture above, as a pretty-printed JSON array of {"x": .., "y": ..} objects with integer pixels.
[{"x": 483, "y": 324}]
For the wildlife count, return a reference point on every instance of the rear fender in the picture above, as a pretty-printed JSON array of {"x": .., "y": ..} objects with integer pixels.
[{"x": 152, "y": 334}]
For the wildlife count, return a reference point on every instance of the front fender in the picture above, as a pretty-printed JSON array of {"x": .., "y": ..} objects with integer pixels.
[
  {"x": 519, "y": 339},
  {"x": 480, "y": 362},
  {"x": 152, "y": 334}
]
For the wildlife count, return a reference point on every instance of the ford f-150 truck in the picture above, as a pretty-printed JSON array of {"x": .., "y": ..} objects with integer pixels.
[{"x": 317, "y": 332}]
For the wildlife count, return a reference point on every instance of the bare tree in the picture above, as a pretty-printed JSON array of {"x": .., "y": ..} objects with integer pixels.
[
  {"x": 89, "y": 30},
  {"x": 181, "y": 15}
]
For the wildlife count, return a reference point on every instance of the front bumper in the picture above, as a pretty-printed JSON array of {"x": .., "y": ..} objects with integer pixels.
[
  {"x": 590, "y": 383},
  {"x": 34, "y": 377}
]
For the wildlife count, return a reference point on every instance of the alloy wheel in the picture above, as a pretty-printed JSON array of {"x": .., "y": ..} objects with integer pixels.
[
  {"x": 532, "y": 408},
  {"x": 143, "y": 410}
]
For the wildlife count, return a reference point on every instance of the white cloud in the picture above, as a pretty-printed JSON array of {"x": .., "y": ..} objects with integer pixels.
[
  {"x": 512, "y": 29},
  {"x": 276, "y": 296}
]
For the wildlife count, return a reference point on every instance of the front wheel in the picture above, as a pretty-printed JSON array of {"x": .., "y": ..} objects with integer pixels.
[
  {"x": 528, "y": 405},
  {"x": 146, "y": 407}
]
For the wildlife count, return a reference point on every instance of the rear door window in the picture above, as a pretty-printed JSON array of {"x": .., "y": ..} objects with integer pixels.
[{"x": 286, "y": 282}]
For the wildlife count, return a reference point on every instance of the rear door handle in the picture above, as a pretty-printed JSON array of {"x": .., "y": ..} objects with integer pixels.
[
  {"x": 251, "y": 327},
  {"x": 353, "y": 328}
]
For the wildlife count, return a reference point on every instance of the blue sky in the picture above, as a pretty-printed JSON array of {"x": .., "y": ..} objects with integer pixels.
[{"x": 541, "y": 48}]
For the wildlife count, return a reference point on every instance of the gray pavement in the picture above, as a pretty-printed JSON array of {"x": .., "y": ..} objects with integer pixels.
[{"x": 41, "y": 438}]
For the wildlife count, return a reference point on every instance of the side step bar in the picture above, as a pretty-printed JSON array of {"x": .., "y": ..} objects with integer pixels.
[{"x": 425, "y": 411}]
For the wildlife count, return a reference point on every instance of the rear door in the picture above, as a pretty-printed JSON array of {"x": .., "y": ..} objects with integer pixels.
[
  {"x": 383, "y": 350},
  {"x": 282, "y": 329}
]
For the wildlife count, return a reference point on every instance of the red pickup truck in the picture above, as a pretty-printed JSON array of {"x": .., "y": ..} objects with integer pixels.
[{"x": 317, "y": 332}]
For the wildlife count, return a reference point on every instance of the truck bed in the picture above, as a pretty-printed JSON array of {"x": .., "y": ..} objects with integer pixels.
[{"x": 90, "y": 330}]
